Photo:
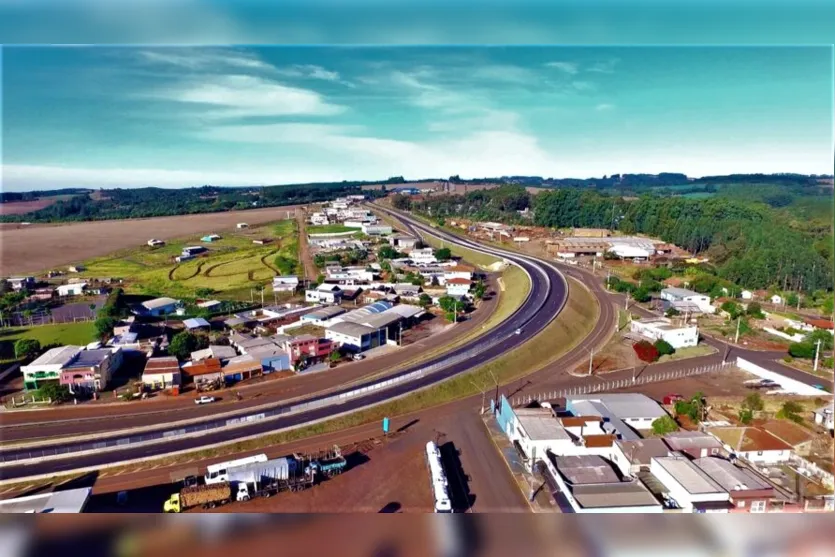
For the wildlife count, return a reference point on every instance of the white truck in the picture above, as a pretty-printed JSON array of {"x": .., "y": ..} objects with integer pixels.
[{"x": 218, "y": 473}]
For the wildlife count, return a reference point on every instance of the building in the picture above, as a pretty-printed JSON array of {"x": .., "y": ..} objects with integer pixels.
[
  {"x": 688, "y": 487},
  {"x": 47, "y": 367},
  {"x": 825, "y": 324},
  {"x": 623, "y": 413},
  {"x": 55, "y": 502},
  {"x": 702, "y": 301},
  {"x": 309, "y": 347},
  {"x": 458, "y": 272},
  {"x": 272, "y": 358},
  {"x": 353, "y": 336},
  {"x": 91, "y": 370},
  {"x": 747, "y": 295},
  {"x": 22, "y": 283},
  {"x": 590, "y": 485},
  {"x": 322, "y": 316},
  {"x": 824, "y": 416},
  {"x": 194, "y": 250},
  {"x": 376, "y": 229},
  {"x": 753, "y": 444},
  {"x": 457, "y": 286},
  {"x": 241, "y": 225},
  {"x": 663, "y": 329},
  {"x": 695, "y": 444},
  {"x": 747, "y": 490},
  {"x": 776, "y": 299},
  {"x": 324, "y": 294},
  {"x": 76, "y": 289},
  {"x": 423, "y": 256},
  {"x": 197, "y": 324},
  {"x": 211, "y": 305},
  {"x": 162, "y": 373},
  {"x": 403, "y": 242},
  {"x": 286, "y": 283},
  {"x": 633, "y": 457},
  {"x": 214, "y": 351},
  {"x": 630, "y": 252},
  {"x": 208, "y": 372},
  {"x": 240, "y": 368},
  {"x": 158, "y": 307}
]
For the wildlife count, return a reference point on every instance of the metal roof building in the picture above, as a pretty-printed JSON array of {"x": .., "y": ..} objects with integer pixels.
[{"x": 69, "y": 501}]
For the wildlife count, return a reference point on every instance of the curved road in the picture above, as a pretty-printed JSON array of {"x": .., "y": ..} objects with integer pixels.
[{"x": 547, "y": 297}]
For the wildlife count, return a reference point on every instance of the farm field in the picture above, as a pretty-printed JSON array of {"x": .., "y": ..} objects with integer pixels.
[
  {"x": 230, "y": 268},
  {"x": 23, "y": 207},
  {"x": 41, "y": 247}
]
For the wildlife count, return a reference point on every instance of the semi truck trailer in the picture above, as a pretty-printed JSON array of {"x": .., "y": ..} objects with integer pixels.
[{"x": 206, "y": 496}]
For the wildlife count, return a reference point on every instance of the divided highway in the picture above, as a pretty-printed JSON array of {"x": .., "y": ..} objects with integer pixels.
[{"x": 547, "y": 297}]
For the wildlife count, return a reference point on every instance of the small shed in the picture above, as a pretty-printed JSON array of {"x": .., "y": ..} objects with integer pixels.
[{"x": 197, "y": 324}]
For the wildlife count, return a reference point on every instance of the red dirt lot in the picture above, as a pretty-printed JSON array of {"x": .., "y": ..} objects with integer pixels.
[
  {"x": 40, "y": 247},
  {"x": 23, "y": 207}
]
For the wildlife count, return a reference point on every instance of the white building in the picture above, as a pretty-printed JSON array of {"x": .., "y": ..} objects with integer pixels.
[
  {"x": 159, "y": 306},
  {"x": 242, "y": 225},
  {"x": 163, "y": 372},
  {"x": 48, "y": 366},
  {"x": 753, "y": 444},
  {"x": 631, "y": 457},
  {"x": 423, "y": 256},
  {"x": 457, "y": 287},
  {"x": 376, "y": 229},
  {"x": 702, "y": 301},
  {"x": 776, "y": 299},
  {"x": 459, "y": 272},
  {"x": 319, "y": 219},
  {"x": 824, "y": 416},
  {"x": 747, "y": 295},
  {"x": 76, "y": 289},
  {"x": 662, "y": 329},
  {"x": 287, "y": 283},
  {"x": 19, "y": 283},
  {"x": 629, "y": 252},
  {"x": 623, "y": 413},
  {"x": 324, "y": 293},
  {"x": 688, "y": 486}
]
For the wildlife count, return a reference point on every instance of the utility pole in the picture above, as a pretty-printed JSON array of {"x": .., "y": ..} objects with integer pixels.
[
  {"x": 736, "y": 338},
  {"x": 608, "y": 276},
  {"x": 483, "y": 394},
  {"x": 626, "y": 306},
  {"x": 591, "y": 359},
  {"x": 496, "y": 381},
  {"x": 817, "y": 353}
]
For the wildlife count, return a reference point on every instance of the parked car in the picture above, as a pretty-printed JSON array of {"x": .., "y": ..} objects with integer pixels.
[
  {"x": 205, "y": 399},
  {"x": 358, "y": 357}
]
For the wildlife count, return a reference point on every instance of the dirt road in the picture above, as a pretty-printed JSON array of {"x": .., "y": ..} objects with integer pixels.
[{"x": 310, "y": 270}]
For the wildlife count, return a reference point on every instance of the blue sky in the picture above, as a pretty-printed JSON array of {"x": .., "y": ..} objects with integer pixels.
[{"x": 179, "y": 116}]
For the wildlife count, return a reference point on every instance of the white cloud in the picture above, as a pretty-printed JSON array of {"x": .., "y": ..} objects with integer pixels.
[
  {"x": 245, "y": 96},
  {"x": 571, "y": 68},
  {"x": 604, "y": 106},
  {"x": 215, "y": 60},
  {"x": 504, "y": 72},
  {"x": 605, "y": 66},
  {"x": 583, "y": 85},
  {"x": 311, "y": 71}
]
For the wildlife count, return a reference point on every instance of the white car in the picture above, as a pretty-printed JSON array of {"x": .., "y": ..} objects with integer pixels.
[
  {"x": 518, "y": 331},
  {"x": 204, "y": 400},
  {"x": 358, "y": 357}
]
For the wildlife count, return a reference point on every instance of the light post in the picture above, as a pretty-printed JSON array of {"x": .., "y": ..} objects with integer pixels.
[{"x": 817, "y": 353}]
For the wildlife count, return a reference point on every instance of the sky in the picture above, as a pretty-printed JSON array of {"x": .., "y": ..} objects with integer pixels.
[{"x": 109, "y": 116}]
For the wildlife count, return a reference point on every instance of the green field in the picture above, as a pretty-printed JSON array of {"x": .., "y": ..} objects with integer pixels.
[
  {"x": 330, "y": 229},
  {"x": 80, "y": 334},
  {"x": 232, "y": 266}
]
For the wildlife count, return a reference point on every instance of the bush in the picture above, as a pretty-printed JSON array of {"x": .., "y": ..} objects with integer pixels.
[
  {"x": 425, "y": 300},
  {"x": 802, "y": 350},
  {"x": 443, "y": 254},
  {"x": 645, "y": 351},
  {"x": 104, "y": 326},
  {"x": 825, "y": 337},
  {"x": 733, "y": 309},
  {"x": 755, "y": 310},
  {"x": 672, "y": 312},
  {"x": 55, "y": 392},
  {"x": 664, "y": 348},
  {"x": 184, "y": 343},
  {"x": 791, "y": 410},
  {"x": 664, "y": 425},
  {"x": 746, "y": 416},
  {"x": 26, "y": 348},
  {"x": 753, "y": 402}
]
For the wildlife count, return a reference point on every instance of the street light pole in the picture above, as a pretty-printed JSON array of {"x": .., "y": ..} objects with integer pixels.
[
  {"x": 817, "y": 353},
  {"x": 591, "y": 358},
  {"x": 736, "y": 338}
]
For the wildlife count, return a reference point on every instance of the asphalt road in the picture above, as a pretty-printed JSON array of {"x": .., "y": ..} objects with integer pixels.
[{"x": 548, "y": 294}]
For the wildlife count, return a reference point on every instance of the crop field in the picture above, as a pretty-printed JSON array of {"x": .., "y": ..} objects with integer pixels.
[
  {"x": 40, "y": 247},
  {"x": 229, "y": 269}
]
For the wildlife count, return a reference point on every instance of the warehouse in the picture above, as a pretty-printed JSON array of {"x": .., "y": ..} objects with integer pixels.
[
  {"x": 240, "y": 368},
  {"x": 322, "y": 316},
  {"x": 663, "y": 329},
  {"x": 157, "y": 307},
  {"x": 673, "y": 295},
  {"x": 47, "y": 367},
  {"x": 688, "y": 486},
  {"x": 623, "y": 413},
  {"x": 355, "y": 337}
]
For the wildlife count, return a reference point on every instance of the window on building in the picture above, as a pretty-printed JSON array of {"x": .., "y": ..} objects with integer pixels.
[
  {"x": 757, "y": 506},
  {"x": 759, "y": 453},
  {"x": 741, "y": 504}
]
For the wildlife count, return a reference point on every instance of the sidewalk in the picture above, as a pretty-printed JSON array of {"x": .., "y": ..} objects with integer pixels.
[{"x": 527, "y": 482}]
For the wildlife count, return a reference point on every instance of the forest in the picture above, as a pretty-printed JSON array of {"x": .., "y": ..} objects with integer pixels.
[{"x": 748, "y": 242}]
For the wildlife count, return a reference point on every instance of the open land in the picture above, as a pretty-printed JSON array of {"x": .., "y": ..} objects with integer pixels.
[
  {"x": 38, "y": 247},
  {"x": 23, "y": 207}
]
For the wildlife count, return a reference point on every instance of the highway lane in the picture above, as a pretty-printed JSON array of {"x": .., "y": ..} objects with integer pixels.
[{"x": 547, "y": 297}]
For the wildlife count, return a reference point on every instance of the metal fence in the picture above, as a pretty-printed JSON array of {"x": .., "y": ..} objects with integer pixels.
[{"x": 601, "y": 386}]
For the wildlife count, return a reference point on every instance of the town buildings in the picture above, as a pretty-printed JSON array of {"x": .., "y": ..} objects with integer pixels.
[
  {"x": 162, "y": 373},
  {"x": 663, "y": 329},
  {"x": 685, "y": 300}
]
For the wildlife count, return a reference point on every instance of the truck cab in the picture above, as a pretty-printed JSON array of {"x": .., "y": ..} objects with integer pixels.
[
  {"x": 243, "y": 492},
  {"x": 173, "y": 504}
]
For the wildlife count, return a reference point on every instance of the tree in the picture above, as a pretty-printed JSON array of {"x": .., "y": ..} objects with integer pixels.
[
  {"x": 388, "y": 252},
  {"x": 792, "y": 299},
  {"x": 802, "y": 350},
  {"x": 664, "y": 348},
  {"x": 790, "y": 410},
  {"x": 425, "y": 300},
  {"x": 822, "y": 335},
  {"x": 664, "y": 425},
  {"x": 26, "y": 348},
  {"x": 443, "y": 254},
  {"x": 645, "y": 351},
  {"x": 54, "y": 392},
  {"x": 401, "y": 202},
  {"x": 204, "y": 292},
  {"x": 746, "y": 416},
  {"x": 449, "y": 304},
  {"x": 104, "y": 327},
  {"x": 335, "y": 356},
  {"x": 642, "y": 294},
  {"x": 5, "y": 286},
  {"x": 320, "y": 279},
  {"x": 184, "y": 343},
  {"x": 672, "y": 312},
  {"x": 733, "y": 309},
  {"x": 753, "y": 402},
  {"x": 755, "y": 310},
  {"x": 479, "y": 290}
]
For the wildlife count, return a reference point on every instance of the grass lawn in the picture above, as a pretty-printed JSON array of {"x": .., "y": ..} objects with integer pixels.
[
  {"x": 306, "y": 330},
  {"x": 689, "y": 352},
  {"x": 329, "y": 229},
  {"x": 80, "y": 334}
]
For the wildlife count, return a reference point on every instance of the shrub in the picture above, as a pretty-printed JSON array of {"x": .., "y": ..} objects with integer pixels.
[
  {"x": 645, "y": 351},
  {"x": 802, "y": 350},
  {"x": 746, "y": 416},
  {"x": 26, "y": 348},
  {"x": 664, "y": 348},
  {"x": 671, "y": 312},
  {"x": 790, "y": 410},
  {"x": 733, "y": 309},
  {"x": 753, "y": 402},
  {"x": 55, "y": 392},
  {"x": 443, "y": 254},
  {"x": 755, "y": 310},
  {"x": 664, "y": 425}
]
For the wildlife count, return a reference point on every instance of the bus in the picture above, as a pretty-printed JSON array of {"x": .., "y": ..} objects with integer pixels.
[{"x": 217, "y": 473}]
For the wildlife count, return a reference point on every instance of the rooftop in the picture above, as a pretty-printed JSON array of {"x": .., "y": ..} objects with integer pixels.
[
  {"x": 196, "y": 323},
  {"x": 680, "y": 292},
  {"x": 56, "y": 356},
  {"x": 381, "y": 320},
  {"x": 621, "y": 494},
  {"x": 586, "y": 469},
  {"x": 214, "y": 351},
  {"x": 68, "y": 501},
  {"x": 204, "y": 367},
  {"x": 350, "y": 329},
  {"x": 683, "y": 440},
  {"x": 325, "y": 313},
  {"x": 599, "y": 440},
  {"x": 749, "y": 439},
  {"x": 164, "y": 364},
  {"x": 461, "y": 281},
  {"x": 624, "y": 405},
  {"x": 540, "y": 424},
  {"x": 406, "y": 311},
  {"x": 730, "y": 477},
  {"x": 787, "y": 431},
  {"x": 158, "y": 303},
  {"x": 688, "y": 475},
  {"x": 641, "y": 451},
  {"x": 89, "y": 358}
]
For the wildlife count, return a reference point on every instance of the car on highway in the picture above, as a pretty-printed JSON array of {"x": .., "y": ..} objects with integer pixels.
[
  {"x": 819, "y": 387},
  {"x": 518, "y": 331},
  {"x": 205, "y": 399}
]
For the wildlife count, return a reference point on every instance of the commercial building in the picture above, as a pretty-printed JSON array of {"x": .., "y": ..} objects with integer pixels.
[
  {"x": 214, "y": 351},
  {"x": 197, "y": 324},
  {"x": 76, "y": 289},
  {"x": 324, "y": 293},
  {"x": 403, "y": 242},
  {"x": 91, "y": 370},
  {"x": 423, "y": 256},
  {"x": 158, "y": 307},
  {"x": 623, "y": 413},
  {"x": 55, "y": 502},
  {"x": 630, "y": 252},
  {"x": 272, "y": 358},
  {"x": 47, "y": 367},
  {"x": 688, "y": 486},
  {"x": 286, "y": 283},
  {"x": 323, "y": 316},
  {"x": 355, "y": 337},
  {"x": 162, "y": 373},
  {"x": 748, "y": 492},
  {"x": 240, "y": 368},
  {"x": 663, "y": 329},
  {"x": 458, "y": 272},
  {"x": 673, "y": 295},
  {"x": 203, "y": 373},
  {"x": 376, "y": 229},
  {"x": 633, "y": 457},
  {"x": 309, "y": 347},
  {"x": 695, "y": 444}
]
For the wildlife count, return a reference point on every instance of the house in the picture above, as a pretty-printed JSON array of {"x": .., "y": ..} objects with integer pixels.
[
  {"x": 623, "y": 413},
  {"x": 321, "y": 316},
  {"x": 748, "y": 492},
  {"x": 197, "y": 324},
  {"x": 776, "y": 299},
  {"x": 797, "y": 436},
  {"x": 825, "y": 324},
  {"x": 210, "y": 238},
  {"x": 403, "y": 242},
  {"x": 753, "y": 444},
  {"x": 154, "y": 243},
  {"x": 309, "y": 347},
  {"x": 47, "y": 367},
  {"x": 241, "y": 225},
  {"x": 285, "y": 283},
  {"x": 423, "y": 256},
  {"x": 457, "y": 286},
  {"x": 214, "y": 351},
  {"x": 76, "y": 289},
  {"x": 695, "y": 444},
  {"x": 458, "y": 272},
  {"x": 688, "y": 486},
  {"x": 158, "y": 307},
  {"x": 90, "y": 371},
  {"x": 22, "y": 283},
  {"x": 162, "y": 373},
  {"x": 194, "y": 250},
  {"x": 324, "y": 293},
  {"x": 319, "y": 219},
  {"x": 211, "y": 305},
  {"x": 76, "y": 268},
  {"x": 747, "y": 295},
  {"x": 629, "y": 252},
  {"x": 203, "y": 374},
  {"x": 376, "y": 229},
  {"x": 672, "y": 295},
  {"x": 824, "y": 416},
  {"x": 663, "y": 329},
  {"x": 632, "y": 457},
  {"x": 353, "y": 336},
  {"x": 240, "y": 368}
]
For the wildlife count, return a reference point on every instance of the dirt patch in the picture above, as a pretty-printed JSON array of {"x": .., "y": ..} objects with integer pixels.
[
  {"x": 310, "y": 269},
  {"x": 23, "y": 207},
  {"x": 40, "y": 247}
]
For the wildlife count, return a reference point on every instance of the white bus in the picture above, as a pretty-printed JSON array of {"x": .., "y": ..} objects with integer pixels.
[
  {"x": 217, "y": 473},
  {"x": 438, "y": 479}
]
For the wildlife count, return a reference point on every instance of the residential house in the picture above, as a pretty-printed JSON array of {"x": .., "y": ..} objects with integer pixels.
[
  {"x": 688, "y": 486},
  {"x": 458, "y": 272},
  {"x": 91, "y": 370},
  {"x": 457, "y": 286},
  {"x": 423, "y": 256},
  {"x": 753, "y": 444},
  {"x": 203, "y": 374},
  {"x": 695, "y": 444},
  {"x": 76, "y": 289},
  {"x": 214, "y": 351},
  {"x": 824, "y": 416},
  {"x": 797, "y": 436},
  {"x": 47, "y": 367},
  {"x": 197, "y": 324},
  {"x": 162, "y": 373},
  {"x": 403, "y": 242},
  {"x": 747, "y": 295},
  {"x": 285, "y": 283},
  {"x": 158, "y": 307},
  {"x": 319, "y": 219},
  {"x": 663, "y": 329},
  {"x": 325, "y": 294},
  {"x": 748, "y": 491},
  {"x": 272, "y": 358},
  {"x": 671, "y": 296},
  {"x": 309, "y": 347},
  {"x": 22, "y": 283},
  {"x": 776, "y": 299}
]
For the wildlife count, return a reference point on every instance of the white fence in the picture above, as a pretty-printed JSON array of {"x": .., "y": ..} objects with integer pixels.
[
  {"x": 807, "y": 468},
  {"x": 787, "y": 384}
]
